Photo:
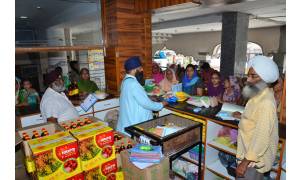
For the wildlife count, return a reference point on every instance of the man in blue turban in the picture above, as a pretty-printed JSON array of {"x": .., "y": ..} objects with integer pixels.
[{"x": 135, "y": 105}]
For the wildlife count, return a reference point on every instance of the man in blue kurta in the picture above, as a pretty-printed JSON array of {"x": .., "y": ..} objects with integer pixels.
[{"x": 135, "y": 105}]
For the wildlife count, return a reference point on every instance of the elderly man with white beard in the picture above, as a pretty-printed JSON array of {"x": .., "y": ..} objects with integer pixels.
[
  {"x": 258, "y": 128},
  {"x": 55, "y": 105}
]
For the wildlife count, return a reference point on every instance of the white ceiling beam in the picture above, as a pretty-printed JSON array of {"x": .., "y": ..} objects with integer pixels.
[{"x": 187, "y": 22}]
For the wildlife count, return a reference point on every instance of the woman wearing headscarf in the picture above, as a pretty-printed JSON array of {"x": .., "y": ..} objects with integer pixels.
[
  {"x": 157, "y": 74},
  {"x": 232, "y": 91},
  {"x": 85, "y": 85},
  {"x": 191, "y": 83},
  {"x": 168, "y": 81},
  {"x": 215, "y": 87}
]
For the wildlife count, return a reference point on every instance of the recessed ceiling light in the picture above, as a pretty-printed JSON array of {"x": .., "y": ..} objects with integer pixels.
[
  {"x": 23, "y": 17},
  {"x": 38, "y": 7}
]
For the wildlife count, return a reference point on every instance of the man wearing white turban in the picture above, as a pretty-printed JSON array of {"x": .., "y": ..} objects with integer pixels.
[{"x": 258, "y": 128}]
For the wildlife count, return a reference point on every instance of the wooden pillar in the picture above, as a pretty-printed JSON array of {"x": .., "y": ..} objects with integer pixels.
[
  {"x": 126, "y": 33},
  {"x": 126, "y": 26}
]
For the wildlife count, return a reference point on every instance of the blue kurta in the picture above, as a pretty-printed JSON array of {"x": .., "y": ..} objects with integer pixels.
[{"x": 135, "y": 105}]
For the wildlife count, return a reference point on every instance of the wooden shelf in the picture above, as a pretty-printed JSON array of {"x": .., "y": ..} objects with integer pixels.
[
  {"x": 283, "y": 167},
  {"x": 218, "y": 169},
  {"x": 275, "y": 168},
  {"x": 178, "y": 175},
  {"x": 222, "y": 147},
  {"x": 186, "y": 157}
]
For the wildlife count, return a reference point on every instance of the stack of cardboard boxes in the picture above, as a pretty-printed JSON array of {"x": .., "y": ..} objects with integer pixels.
[{"x": 84, "y": 152}]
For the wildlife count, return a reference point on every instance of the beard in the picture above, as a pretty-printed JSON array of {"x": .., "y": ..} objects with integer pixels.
[
  {"x": 251, "y": 90},
  {"x": 139, "y": 75},
  {"x": 58, "y": 88}
]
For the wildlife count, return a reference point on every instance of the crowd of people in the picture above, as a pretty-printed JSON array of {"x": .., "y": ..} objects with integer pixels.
[
  {"x": 206, "y": 81},
  {"x": 257, "y": 139}
]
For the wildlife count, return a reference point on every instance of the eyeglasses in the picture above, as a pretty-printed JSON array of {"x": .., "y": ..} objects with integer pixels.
[{"x": 253, "y": 76}]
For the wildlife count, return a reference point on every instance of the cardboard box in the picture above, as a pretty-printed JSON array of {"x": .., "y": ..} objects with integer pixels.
[
  {"x": 56, "y": 157},
  {"x": 96, "y": 144},
  {"x": 156, "y": 171},
  {"x": 106, "y": 171},
  {"x": 79, "y": 122},
  {"x": 50, "y": 127},
  {"x": 121, "y": 139}
]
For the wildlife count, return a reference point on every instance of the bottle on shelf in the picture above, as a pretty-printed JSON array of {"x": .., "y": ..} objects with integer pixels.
[
  {"x": 44, "y": 132},
  {"x": 117, "y": 150},
  {"x": 82, "y": 123},
  {"x": 119, "y": 137},
  {"x": 35, "y": 134},
  {"x": 25, "y": 136},
  {"x": 87, "y": 121},
  {"x": 129, "y": 145},
  {"x": 73, "y": 125},
  {"x": 115, "y": 136},
  {"x": 78, "y": 123},
  {"x": 122, "y": 147},
  {"x": 73, "y": 90}
]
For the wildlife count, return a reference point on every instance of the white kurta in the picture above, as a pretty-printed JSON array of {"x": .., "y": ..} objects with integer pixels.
[{"x": 57, "y": 105}]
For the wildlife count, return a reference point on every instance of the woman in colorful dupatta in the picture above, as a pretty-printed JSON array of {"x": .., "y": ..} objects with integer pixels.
[
  {"x": 168, "y": 81},
  {"x": 157, "y": 74},
  {"x": 85, "y": 85},
  {"x": 191, "y": 83}
]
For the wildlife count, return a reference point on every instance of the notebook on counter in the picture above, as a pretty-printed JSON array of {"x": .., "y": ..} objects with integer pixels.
[
  {"x": 176, "y": 88},
  {"x": 228, "y": 109},
  {"x": 89, "y": 101}
]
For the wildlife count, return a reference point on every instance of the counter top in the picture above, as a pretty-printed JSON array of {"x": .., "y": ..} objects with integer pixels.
[
  {"x": 210, "y": 114},
  {"x": 28, "y": 110},
  {"x": 76, "y": 101}
]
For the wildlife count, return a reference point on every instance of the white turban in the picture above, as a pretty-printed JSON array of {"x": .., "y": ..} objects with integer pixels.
[{"x": 265, "y": 67}]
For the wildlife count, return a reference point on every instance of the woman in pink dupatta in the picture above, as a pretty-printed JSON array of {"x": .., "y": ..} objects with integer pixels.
[
  {"x": 157, "y": 74},
  {"x": 168, "y": 81}
]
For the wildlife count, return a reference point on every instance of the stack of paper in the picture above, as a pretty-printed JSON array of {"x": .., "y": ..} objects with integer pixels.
[
  {"x": 145, "y": 156},
  {"x": 228, "y": 109}
]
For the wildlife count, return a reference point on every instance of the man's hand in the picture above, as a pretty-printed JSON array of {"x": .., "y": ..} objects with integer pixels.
[
  {"x": 237, "y": 115},
  {"x": 165, "y": 103},
  {"x": 242, "y": 168}
]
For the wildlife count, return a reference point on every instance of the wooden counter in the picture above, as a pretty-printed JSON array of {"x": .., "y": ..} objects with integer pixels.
[
  {"x": 212, "y": 165},
  {"x": 22, "y": 112},
  {"x": 209, "y": 114}
]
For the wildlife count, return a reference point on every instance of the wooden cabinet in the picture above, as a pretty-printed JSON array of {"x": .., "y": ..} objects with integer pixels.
[
  {"x": 101, "y": 114},
  {"x": 283, "y": 104},
  {"x": 164, "y": 111},
  {"x": 81, "y": 112},
  {"x": 213, "y": 166},
  {"x": 102, "y": 105}
]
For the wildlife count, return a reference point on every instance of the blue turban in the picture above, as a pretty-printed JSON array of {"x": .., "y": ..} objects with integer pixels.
[{"x": 132, "y": 63}]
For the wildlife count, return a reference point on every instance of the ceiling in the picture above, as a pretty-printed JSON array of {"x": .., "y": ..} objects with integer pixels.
[
  {"x": 83, "y": 15},
  {"x": 192, "y": 17},
  {"x": 47, "y": 13}
]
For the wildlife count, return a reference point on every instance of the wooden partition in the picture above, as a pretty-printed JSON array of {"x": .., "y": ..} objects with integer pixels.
[
  {"x": 282, "y": 117},
  {"x": 127, "y": 32}
]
